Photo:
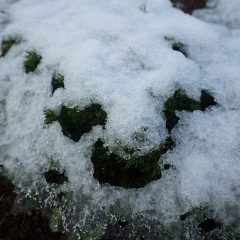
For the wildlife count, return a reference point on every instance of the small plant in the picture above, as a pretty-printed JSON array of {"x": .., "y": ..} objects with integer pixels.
[
  {"x": 134, "y": 172},
  {"x": 32, "y": 60},
  {"x": 7, "y": 44},
  {"x": 180, "y": 101},
  {"x": 57, "y": 81},
  {"x": 76, "y": 122}
]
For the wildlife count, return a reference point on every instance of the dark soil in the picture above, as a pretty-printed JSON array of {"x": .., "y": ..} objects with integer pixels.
[{"x": 25, "y": 225}]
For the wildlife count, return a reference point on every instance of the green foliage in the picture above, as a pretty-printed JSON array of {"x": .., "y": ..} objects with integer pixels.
[
  {"x": 180, "y": 101},
  {"x": 32, "y": 60},
  {"x": 50, "y": 116},
  {"x": 57, "y": 81},
  {"x": 7, "y": 44},
  {"x": 135, "y": 172}
]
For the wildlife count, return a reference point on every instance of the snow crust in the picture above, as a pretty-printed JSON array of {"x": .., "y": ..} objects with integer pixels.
[{"x": 116, "y": 54}]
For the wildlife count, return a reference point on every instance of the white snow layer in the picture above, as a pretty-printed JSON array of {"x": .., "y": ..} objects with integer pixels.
[{"x": 114, "y": 53}]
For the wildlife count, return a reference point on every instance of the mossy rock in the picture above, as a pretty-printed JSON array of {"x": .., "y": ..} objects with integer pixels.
[
  {"x": 135, "y": 172},
  {"x": 57, "y": 81},
  {"x": 76, "y": 122},
  {"x": 181, "y": 101},
  {"x": 32, "y": 60},
  {"x": 7, "y": 43},
  {"x": 188, "y": 6}
]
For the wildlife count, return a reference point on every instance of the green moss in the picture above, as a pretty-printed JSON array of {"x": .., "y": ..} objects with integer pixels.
[
  {"x": 32, "y": 60},
  {"x": 55, "y": 219},
  {"x": 180, "y": 101},
  {"x": 50, "y": 116},
  {"x": 76, "y": 122},
  {"x": 135, "y": 172},
  {"x": 7, "y": 44},
  {"x": 57, "y": 81}
]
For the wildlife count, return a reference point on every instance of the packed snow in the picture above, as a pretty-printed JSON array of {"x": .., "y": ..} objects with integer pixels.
[{"x": 116, "y": 53}]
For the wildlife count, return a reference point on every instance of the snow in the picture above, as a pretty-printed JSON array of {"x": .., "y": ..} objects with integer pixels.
[{"x": 115, "y": 53}]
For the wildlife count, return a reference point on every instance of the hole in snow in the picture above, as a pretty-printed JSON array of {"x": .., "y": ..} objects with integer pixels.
[
  {"x": 76, "y": 122},
  {"x": 129, "y": 170}
]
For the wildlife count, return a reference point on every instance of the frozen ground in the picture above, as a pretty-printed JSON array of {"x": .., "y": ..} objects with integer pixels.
[{"x": 116, "y": 53}]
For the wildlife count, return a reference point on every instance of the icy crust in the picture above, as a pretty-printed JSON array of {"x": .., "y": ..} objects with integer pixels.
[
  {"x": 117, "y": 55},
  {"x": 221, "y": 12}
]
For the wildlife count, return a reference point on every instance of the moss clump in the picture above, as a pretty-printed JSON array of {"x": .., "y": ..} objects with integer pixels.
[
  {"x": 57, "y": 81},
  {"x": 180, "y": 101},
  {"x": 7, "y": 44},
  {"x": 50, "y": 116},
  {"x": 55, "y": 219},
  {"x": 32, "y": 60},
  {"x": 75, "y": 122},
  {"x": 206, "y": 100},
  {"x": 135, "y": 172},
  {"x": 188, "y": 6}
]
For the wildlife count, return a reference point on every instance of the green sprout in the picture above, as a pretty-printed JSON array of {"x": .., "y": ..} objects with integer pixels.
[{"x": 32, "y": 60}]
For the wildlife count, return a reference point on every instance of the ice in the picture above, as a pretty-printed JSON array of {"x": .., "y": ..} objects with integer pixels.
[{"x": 115, "y": 54}]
